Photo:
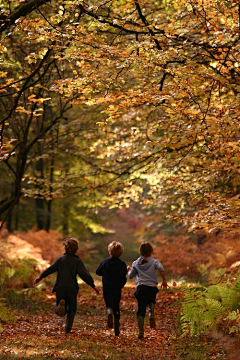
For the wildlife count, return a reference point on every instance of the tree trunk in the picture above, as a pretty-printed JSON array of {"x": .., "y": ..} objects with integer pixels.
[
  {"x": 39, "y": 200},
  {"x": 16, "y": 216},
  {"x": 9, "y": 223},
  {"x": 49, "y": 214},
  {"x": 65, "y": 218},
  {"x": 49, "y": 203},
  {"x": 40, "y": 213}
]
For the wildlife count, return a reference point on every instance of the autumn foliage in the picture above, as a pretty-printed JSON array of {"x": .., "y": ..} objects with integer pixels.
[
  {"x": 106, "y": 105},
  {"x": 114, "y": 102},
  {"x": 184, "y": 256}
]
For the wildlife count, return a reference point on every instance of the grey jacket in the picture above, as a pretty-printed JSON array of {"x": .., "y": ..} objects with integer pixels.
[{"x": 145, "y": 273}]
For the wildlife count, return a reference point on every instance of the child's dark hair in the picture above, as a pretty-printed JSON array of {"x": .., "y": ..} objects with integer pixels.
[
  {"x": 115, "y": 249},
  {"x": 145, "y": 250},
  {"x": 71, "y": 245}
]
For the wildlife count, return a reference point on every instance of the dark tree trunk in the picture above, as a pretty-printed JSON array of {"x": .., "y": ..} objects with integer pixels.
[
  {"x": 65, "y": 218},
  {"x": 49, "y": 215},
  {"x": 9, "y": 222},
  {"x": 49, "y": 204},
  {"x": 16, "y": 216},
  {"x": 40, "y": 213},
  {"x": 39, "y": 199}
]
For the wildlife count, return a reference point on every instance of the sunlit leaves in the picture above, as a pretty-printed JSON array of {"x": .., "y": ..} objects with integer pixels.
[{"x": 154, "y": 86}]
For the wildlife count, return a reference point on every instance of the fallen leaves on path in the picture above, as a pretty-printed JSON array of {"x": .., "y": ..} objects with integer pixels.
[{"x": 41, "y": 335}]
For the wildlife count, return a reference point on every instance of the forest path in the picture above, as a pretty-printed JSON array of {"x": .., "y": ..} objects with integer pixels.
[{"x": 40, "y": 334}]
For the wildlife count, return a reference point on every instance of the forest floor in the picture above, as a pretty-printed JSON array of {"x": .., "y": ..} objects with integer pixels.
[{"x": 38, "y": 333}]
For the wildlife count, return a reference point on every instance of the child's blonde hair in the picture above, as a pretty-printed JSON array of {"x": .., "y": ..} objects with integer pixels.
[
  {"x": 71, "y": 245},
  {"x": 115, "y": 249}
]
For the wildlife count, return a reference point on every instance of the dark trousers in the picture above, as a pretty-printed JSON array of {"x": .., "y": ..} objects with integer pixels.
[
  {"x": 145, "y": 295},
  {"x": 70, "y": 298},
  {"x": 112, "y": 299}
]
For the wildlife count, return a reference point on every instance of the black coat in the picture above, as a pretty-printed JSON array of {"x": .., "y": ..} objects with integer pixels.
[
  {"x": 113, "y": 272},
  {"x": 68, "y": 267}
]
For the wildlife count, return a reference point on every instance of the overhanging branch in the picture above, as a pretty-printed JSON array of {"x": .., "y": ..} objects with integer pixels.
[{"x": 21, "y": 10}]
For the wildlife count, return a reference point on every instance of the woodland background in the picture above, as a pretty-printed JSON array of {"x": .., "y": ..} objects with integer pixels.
[
  {"x": 119, "y": 120},
  {"x": 119, "y": 112}
]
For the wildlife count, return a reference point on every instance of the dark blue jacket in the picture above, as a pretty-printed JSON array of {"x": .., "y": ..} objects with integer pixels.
[
  {"x": 68, "y": 267},
  {"x": 113, "y": 272}
]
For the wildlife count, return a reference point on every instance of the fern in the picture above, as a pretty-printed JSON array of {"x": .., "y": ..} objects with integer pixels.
[
  {"x": 212, "y": 308},
  {"x": 233, "y": 321},
  {"x": 216, "y": 276},
  {"x": 24, "y": 269},
  {"x": 21, "y": 269},
  {"x": 10, "y": 271}
]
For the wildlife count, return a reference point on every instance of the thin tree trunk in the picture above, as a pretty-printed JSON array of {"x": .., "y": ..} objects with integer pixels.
[
  {"x": 49, "y": 215},
  {"x": 16, "y": 216},
  {"x": 9, "y": 222},
  {"x": 65, "y": 218},
  {"x": 40, "y": 213},
  {"x": 39, "y": 201}
]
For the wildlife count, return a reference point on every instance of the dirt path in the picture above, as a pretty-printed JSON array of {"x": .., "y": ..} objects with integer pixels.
[{"x": 40, "y": 335}]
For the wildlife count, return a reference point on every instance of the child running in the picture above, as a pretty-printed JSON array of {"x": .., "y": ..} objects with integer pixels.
[
  {"x": 144, "y": 268},
  {"x": 68, "y": 266},
  {"x": 113, "y": 272}
]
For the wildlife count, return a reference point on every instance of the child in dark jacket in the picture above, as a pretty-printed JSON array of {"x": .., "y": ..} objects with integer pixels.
[
  {"x": 66, "y": 287},
  {"x": 113, "y": 272},
  {"x": 144, "y": 269}
]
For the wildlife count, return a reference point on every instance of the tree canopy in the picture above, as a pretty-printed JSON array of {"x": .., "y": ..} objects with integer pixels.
[{"x": 111, "y": 102}]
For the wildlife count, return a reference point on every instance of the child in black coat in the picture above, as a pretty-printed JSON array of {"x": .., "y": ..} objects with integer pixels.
[
  {"x": 66, "y": 286},
  {"x": 113, "y": 272}
]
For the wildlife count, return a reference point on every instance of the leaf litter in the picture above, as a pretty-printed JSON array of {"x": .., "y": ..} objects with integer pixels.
[{"x": 40, "y": 335}]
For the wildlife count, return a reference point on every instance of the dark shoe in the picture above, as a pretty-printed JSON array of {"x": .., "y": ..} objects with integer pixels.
[
  {"x": 116, "y": 327},
  {"x": 140, "y": 321},
  {"x": 69, "y": 322},
  {"x": 61, "y": 311},
  {"x": 110, "y": 318}
]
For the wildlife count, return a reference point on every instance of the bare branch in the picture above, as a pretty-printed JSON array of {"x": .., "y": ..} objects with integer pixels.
[{"x": 22, "y": 10}]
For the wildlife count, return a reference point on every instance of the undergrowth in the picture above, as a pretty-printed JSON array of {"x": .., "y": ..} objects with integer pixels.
[
  {"x": 16, "y": 274},
  {"x": 215, "y": 307}
]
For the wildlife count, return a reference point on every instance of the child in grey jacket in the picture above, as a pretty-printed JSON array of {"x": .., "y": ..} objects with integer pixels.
[{"x": 144, "y": 269}]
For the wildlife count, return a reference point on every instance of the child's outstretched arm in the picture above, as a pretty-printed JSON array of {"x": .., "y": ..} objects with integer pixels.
[
  {"x": 131, "y": 272},
  {"x": 50, "y": 270},
  {"x": 164, "y": 282}
]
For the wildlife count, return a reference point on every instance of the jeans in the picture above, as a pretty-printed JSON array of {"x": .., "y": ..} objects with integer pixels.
[
  {"x": 145, "y": 295},
  {"x": 70, "y": 298},
  {"x": 112, "y": 299}
]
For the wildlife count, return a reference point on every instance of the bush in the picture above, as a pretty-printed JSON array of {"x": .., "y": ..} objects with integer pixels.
[
  {"x": 213, "y": 308},
  {"x": 13, "y": 274},
  {"x": 16, "y": 272}
]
